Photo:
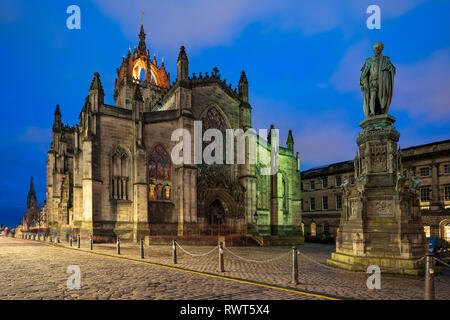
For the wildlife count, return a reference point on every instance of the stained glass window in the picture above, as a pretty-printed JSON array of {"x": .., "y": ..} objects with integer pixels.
[
  {"x": 152, "y": 191},
  {"x": 159, "y": 164},
  {"x": 159, "y": 168}
]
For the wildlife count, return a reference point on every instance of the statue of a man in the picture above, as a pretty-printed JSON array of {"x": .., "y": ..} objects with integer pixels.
[{"x": 377, "y": 82}]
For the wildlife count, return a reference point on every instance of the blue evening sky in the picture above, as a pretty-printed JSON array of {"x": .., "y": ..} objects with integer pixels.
[{"x": 302, "y": 60}]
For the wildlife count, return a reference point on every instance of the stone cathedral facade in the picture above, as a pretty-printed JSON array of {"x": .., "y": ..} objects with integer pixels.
[{"x": 112, "y": 173}]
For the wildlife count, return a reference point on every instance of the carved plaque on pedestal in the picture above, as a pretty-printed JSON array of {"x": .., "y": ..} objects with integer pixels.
[{"x": 380, "y": 208}]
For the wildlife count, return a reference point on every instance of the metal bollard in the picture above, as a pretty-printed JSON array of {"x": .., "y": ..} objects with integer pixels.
[
  {"x": 221, "y": 266},
  {"x": 91, "y": 243},
  {"x": 70, "y": 241},
  {"x": 429, "y": 276},
  {"x": 141, "y": 244},
  {"x": 58, "y": 240},
  {"x": 78, "y": 241},
  {"x": 294, "y": 266},
  {"x": 174, "y": 251},
  {"x": 118, "y": 245}
]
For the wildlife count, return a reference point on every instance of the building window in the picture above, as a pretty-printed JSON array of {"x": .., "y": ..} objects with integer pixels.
[
  {"x": 313, "y": 229},
  {"x": 352, "y": 179},
  {"x": 427, "y": 231},
  {"x": 312, "y": 185},
  {"x": 424, "y": 172},
  {"x": 338, "y": 181},
  {"x": 312, "y": 204},
  {"x": 447, "y": 192},
  {"x": 324, "y": 182},
  {"x": 338, "y": 201},
  {"x": 159, "y": 172},
  {"x": 446, "y": 168},
  {"x": 425, "y": 194},
  {"x": 120, "y": 170},
  {"x": 324, "y": 203},
  {"x": 285, "y": 195}
]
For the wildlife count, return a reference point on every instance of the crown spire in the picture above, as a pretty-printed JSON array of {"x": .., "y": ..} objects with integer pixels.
[{"x": 142, "y": 48}]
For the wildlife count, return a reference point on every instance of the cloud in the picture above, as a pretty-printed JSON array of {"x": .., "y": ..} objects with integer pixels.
[
  {"x": 36, "y": 135},
  {"x": 346, "y": 76},
  {"x": 421, "y": 88},
  {"x": 197, "y": 23},
  {"x": 208, "y": 23},
  {"x": 324, "y": 140},
  {"x": 9, "y": 11}
]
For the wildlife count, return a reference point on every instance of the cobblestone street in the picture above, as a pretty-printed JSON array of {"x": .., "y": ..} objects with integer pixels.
[{"x": 37, "y": 270}]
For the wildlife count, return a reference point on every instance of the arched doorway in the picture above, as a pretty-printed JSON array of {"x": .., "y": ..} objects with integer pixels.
[
  {"x": 216, "y": 217},
  {"x": 444, "y": 229}
]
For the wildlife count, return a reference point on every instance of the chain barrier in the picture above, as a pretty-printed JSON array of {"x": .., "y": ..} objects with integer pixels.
[
  {"x": 197, "y": 255},
  {"x": 324, "y": 265},
  {"x": 355, "y": 271},
  {"x": 258, "y": 261},
  {"x": 444, "y": 263}
]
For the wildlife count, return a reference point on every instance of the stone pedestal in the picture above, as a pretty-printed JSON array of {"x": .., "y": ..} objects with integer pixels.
[{"x": 380, "y": 223}]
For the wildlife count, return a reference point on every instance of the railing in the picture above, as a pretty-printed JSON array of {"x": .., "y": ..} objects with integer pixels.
[{"x": 293, "y": 263}]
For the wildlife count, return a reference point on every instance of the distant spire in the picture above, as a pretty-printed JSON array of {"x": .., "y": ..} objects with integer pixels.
[
  {"x": 96, "y": 84},
  {"x": 269, "y": 136},
  {"x": 182, "y": 55},
  {"x": 57, "y": 119},
  {"x": 290, "y": 140},
  {"x": 31, "y": 199},
  {"x": 243, "y": 79},
  {"x": 182, "y": 65},
  {"x": 142, "y": 48},
  {"x": 243, "y": 88},
  {"x": 31, "y": 185},
  {"x": 57, "y": 113}
]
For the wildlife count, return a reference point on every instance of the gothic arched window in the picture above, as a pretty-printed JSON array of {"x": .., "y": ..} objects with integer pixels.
[
  {"x": 214, "y": 174},
  {"x": 285, "y": 195},
  {"x": 159, "y": 170},
  {"x": 120, "y": 175},
  {"x": 262, "y": 188}
]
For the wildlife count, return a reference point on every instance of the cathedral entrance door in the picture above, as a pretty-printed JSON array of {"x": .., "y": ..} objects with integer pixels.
[{"x": 216, "y": 215}]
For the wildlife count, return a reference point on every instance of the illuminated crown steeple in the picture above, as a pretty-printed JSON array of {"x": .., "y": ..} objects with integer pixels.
[{"x": 139, "y": 68}]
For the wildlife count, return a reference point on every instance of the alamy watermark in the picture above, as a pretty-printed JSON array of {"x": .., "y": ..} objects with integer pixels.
[
  {"x": 374, "y": 281},
  {"x": 74, "y": 280},
  {"x": 249, "y": 148},
  {"x": 374, "y": 20},
  {"x": 74, "y": 20}
]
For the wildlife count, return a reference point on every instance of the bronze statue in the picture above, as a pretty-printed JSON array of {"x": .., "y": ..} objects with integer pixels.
[{"x": 377, "y": 82}]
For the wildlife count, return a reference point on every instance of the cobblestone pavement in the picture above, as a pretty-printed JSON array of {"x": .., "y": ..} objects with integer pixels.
[
  {"x": 32, "y": 270},
  {"x": 107, "y": 278}
]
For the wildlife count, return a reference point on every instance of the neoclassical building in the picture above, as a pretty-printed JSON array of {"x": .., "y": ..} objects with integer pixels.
[
  {"x": 429, "y": 163},
  {"x": 112, "y": 174}
]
